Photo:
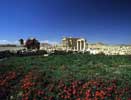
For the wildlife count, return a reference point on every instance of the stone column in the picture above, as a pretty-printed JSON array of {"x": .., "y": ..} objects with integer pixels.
[
  {"x": 80, "y": 45},
  {"x": 84, "y": 45},
  {"x": 77, "y": 45}
]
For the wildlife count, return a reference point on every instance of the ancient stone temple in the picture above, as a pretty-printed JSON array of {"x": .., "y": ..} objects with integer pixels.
[{"x": 75, "y": 44}]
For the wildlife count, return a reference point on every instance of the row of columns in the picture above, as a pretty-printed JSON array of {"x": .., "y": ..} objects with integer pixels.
[{"x": 81, "y": 45}]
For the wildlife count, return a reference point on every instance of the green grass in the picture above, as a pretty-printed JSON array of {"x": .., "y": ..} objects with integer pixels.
[{"x": 78, "y": 66}]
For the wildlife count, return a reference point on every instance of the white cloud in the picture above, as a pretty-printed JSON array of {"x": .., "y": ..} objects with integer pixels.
[
  {"x": 50, "y": 42},
  {"x": 8, "y": 42},
  {"x": 4, "y": 42}
]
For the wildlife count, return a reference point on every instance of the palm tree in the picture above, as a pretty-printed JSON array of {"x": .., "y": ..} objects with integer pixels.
[{"x": 21, "y": 42}]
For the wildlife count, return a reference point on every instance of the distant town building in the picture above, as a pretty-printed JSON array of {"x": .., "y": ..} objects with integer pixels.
[
  {"x": 45, "y": 46},
  {"x": 109, "y": 49}
]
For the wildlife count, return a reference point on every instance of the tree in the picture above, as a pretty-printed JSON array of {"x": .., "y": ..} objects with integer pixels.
[
  {"x": 32, "y": 44},
  {"x": 21, "y": 42}
]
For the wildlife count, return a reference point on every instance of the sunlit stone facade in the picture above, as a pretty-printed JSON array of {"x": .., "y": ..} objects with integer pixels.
[{"x": 75, "y": 44}]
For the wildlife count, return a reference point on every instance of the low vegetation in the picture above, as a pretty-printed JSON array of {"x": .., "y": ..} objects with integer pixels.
[{"x": 66, "y": 77}]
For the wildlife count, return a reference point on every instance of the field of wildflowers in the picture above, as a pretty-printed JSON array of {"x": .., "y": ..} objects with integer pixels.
[{"x": 68, "y": 77}]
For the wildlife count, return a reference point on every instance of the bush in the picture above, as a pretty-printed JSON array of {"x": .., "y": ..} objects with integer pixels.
[
  {"x": 57, "y": 52},
  {"x": 4, "y": 54},
  {"x": 31, "y": 52}
]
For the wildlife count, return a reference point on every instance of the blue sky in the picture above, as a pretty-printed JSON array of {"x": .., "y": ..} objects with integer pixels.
[{"x": 107, "y": 21}]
